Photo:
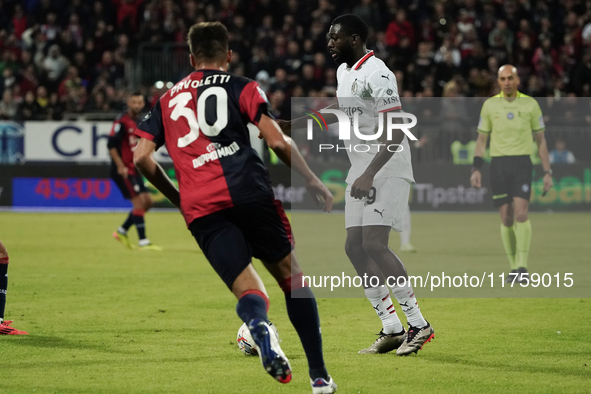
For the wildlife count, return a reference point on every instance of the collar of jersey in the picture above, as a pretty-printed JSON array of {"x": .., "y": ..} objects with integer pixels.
[
  {"x": 362, "y": 60},
  {"x": 519, "y": 94}
]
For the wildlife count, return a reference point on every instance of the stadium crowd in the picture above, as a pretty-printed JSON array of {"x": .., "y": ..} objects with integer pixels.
[{"x": 74, "y": 56}]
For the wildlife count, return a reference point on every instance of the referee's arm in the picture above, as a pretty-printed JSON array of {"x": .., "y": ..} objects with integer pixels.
[
  {"x": 476, "y": 177},
  {"x": 545, "y": 159}
]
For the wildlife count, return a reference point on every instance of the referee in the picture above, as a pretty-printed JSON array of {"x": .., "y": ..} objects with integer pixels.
[{"x": 509, "y": 118}]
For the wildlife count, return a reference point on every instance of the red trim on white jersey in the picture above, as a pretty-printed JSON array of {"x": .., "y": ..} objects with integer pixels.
[
  {"x": 363, "y": 59},
  {"x": 391, "y": 109}
]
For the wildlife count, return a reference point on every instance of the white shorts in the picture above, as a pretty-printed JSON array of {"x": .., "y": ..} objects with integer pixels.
[{"x": 385, "y": 205}]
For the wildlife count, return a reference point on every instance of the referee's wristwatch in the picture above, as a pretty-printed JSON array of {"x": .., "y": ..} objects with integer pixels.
[{"x": 548, "y": 172}]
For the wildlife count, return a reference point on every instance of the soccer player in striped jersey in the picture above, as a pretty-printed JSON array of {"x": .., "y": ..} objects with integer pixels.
[{"x": 225, "y": 193}]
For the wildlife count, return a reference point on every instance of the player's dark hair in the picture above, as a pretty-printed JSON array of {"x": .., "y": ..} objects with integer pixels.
[
  {"x": 136, "y": 93},
  {"x": 208, "y": 40},
  {"x": 352, "y": 24}
]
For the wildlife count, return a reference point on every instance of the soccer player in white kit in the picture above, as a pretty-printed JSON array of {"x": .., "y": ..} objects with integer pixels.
[{"x": 378, "y": 186}]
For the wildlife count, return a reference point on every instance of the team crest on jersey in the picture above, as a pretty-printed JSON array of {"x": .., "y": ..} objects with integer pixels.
[
  {"x": 510, "y": 116},
  {"x": 367, "y": 92},
  {"x": 213, "y": 146}
]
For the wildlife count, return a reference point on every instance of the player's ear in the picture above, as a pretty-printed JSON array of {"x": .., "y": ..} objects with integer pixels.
[
  {"x": 192, "y": 59},
  {"x": 229, "y": 56}
]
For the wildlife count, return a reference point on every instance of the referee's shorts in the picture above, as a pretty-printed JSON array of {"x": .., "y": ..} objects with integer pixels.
[{"x": 510, "y": 176}]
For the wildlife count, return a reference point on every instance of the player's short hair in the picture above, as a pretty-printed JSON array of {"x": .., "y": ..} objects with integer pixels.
[
  {"x": 208, "y": 40},
  {"x": 352, "y": 24},
  {"x": 136, "y": 93}
]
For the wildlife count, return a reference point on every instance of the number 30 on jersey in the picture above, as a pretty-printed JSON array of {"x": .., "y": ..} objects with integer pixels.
[{"x": 199, "y": 123}]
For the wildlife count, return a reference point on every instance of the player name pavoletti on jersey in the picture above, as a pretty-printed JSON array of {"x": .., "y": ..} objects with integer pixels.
[
  {"x": 216, "y": 154},
  {"x": 189, "y": 83}
]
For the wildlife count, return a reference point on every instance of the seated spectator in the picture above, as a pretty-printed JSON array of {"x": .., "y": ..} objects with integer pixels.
[
  {"x": 8, "y": 106},
  {"x": 42, "y": 100},
  {"x": 561, "y": 155},
  {"x": 55, "y": 109},
  {"x": 28, "y": 109}
]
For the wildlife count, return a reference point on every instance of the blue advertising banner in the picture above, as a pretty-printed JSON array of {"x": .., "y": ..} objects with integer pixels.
[{"x": 66, "y": 192}]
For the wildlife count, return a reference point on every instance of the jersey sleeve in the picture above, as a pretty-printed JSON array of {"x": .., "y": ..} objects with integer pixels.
[
  {"x": 116, "y": 135},
  {"x": 152, "y": 127},
  {"x": 484, "y": 124},
  {"x": 384, "y": 90},
  {"x": 537, "y": 119},
  {"x": 254, "y": 103}
]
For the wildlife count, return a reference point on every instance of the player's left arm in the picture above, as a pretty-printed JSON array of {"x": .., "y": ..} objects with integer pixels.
[
  {"x": 538, "y": 127},
  {"x": 143, "y": 158},
  {"x": 385, "y": 92},
  {"x": 286, "y": 149}
]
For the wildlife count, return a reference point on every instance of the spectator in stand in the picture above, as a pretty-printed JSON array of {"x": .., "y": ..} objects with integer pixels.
[
  {"x": 55, "y": 109},
  {"x": 54, "y": 65},
  {"x": 50, "y": 29},
  {"x": 28, "y": 109},
  {"x": 400, "y": 28},
  {"x": 500, "y": 40},
  {"x": 8, "y": 106},
  {"x": 561, "y": 155},
  {"x": 42, "y": 100},
  {"x": 76, "y": 31}
]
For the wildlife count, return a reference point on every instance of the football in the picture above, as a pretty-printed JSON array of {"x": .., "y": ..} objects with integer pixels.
[{"x": 245, "y": 342}]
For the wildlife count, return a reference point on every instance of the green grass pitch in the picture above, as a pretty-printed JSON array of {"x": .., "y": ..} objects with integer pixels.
[{"x": 105, "y": 319}]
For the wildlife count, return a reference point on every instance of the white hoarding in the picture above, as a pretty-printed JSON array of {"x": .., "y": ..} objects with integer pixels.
[{"x": 82, "y": 142}]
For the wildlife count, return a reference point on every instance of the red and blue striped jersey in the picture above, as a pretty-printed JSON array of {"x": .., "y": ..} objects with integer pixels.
[{"x": 203, "y": 120}]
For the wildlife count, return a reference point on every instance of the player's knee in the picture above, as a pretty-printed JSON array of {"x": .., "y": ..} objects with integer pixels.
[
  {"x": 521, "y": 217},
  {"x": 507, "y": 221},
  {"x": 354, "y": 250},
  {"x": 373, "y": 246}
]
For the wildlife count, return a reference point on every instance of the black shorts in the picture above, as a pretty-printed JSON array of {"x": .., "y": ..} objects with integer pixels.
[
  {"x": 231, "y": 237},
  {"x": 130, "y": 187},
  {"x": 510, "y": 176}
]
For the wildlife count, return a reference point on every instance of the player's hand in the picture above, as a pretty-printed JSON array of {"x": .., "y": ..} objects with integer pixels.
[
  {"x": 476, "y": 179},
  {"x": 320, "y": 194},
  {"x": 361, "y": 186},
  {"x": 548, "y": 183},
  {"x": 285, "y": 126},
  {"x": 123, "y": 172}
]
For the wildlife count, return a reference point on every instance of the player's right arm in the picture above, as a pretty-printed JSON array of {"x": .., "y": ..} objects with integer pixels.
[
  {"x": 114, "y": 145},
  {"x": 143, "y": 158},
  {"x": 484, "y": 129},
  {"x": 151, "y": 133},
  {"x": 286, "y": 149}
]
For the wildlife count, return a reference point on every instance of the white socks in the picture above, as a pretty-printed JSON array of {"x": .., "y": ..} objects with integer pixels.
[
  {"x": 407, "y": 300},
  {"x": 382, "y": 303}
]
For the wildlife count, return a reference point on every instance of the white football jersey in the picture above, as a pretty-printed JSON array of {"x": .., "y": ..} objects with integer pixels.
[{"x": 369, "y": 88}]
